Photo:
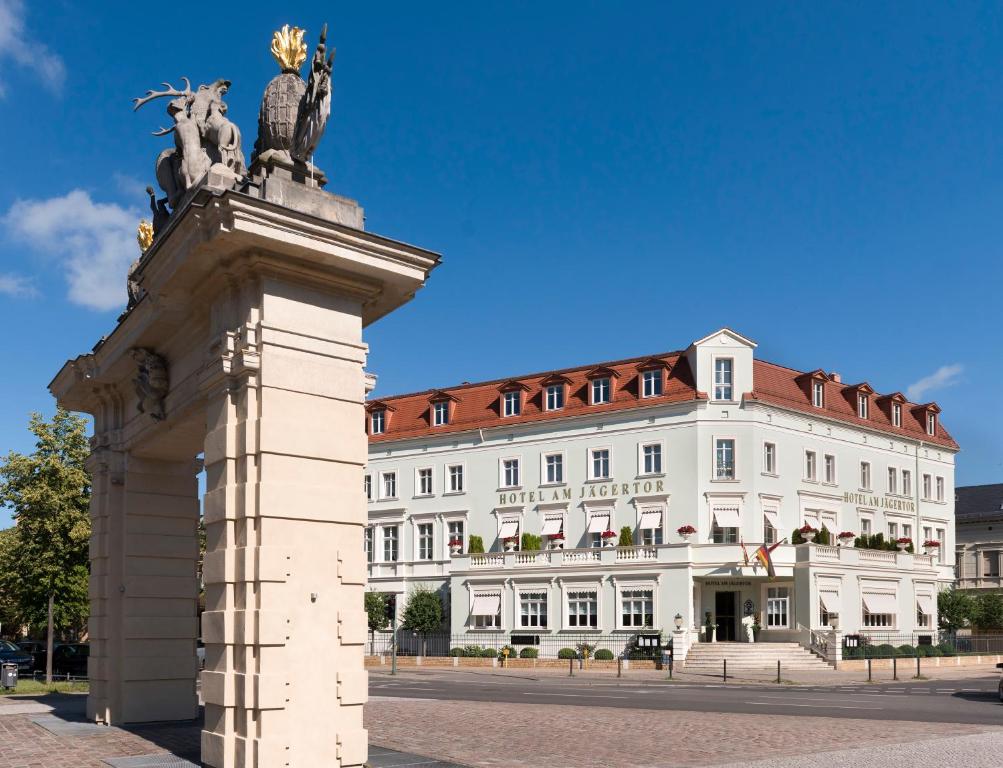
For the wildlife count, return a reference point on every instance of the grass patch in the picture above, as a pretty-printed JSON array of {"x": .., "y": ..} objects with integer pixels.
[{"x": 39, "y": 686}]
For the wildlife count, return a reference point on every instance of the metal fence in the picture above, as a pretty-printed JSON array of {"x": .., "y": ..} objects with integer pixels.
[
  {"x": 490, "y": 645},
  {"x": 886, "y": 645}
]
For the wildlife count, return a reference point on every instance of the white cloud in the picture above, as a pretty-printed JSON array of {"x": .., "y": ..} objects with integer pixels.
[
  {"x": 130, "y": 187},
  {"x": 94, "y": 242},
  {"x": 16, "y": 286},
  {"x": 18, "y": 46},
  {"x": 945, "y": 376}
]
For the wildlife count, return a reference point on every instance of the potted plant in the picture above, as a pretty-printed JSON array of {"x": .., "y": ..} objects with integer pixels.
[
  {"x": 556, "y": 540},
  {"x": 931, "y": 546},
  {"x": 510, "y": 542},
  {"x": 903, "y": 542},
  {"x": 686, "y": 531},
  {"x": 756, "y": 628},
  {"x": 455, "y": 546},
  {"x": 807, "y": 533},
  {"x": 847, "y": 538},
  {"x": 609, "y": 538}
]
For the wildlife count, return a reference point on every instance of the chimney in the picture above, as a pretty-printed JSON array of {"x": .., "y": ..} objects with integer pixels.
[{"x": 836, "y": 377}]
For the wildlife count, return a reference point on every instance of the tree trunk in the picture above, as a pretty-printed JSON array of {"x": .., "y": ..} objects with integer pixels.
[{"x": 48, "y": 644}]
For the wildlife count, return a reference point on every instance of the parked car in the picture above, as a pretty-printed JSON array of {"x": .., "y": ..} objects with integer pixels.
[
  {"x": 37, "y": 650},
  {"x": 1000, "y": 667},
  {"x": 11, "y": 654},
  {"x": 70, "y": 659}
]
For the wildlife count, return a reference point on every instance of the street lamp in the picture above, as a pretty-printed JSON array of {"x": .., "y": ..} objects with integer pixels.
[{"x": 679, "y": 621}]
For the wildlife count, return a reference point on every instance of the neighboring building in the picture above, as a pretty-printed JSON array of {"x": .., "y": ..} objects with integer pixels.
[
  {"x": 741, "y": 449},
  {"x": 979, "y": 534}
]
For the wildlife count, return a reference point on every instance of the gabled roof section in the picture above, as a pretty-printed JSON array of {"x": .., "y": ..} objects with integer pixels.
[
  {"x": 651, "y": 364},
  {"x": 732, "y": 335},
  {"x": 601, "y": 372},
  {"x": 926, "y": 408},
  {"x": 817, "y": 375},
  {"x": 892, "y": 397},
  {"x": 513, "y": 385},
  {"x": 863, "y": 388},
  {"x": 378, "y": 405},
  {"x": 439, "y": 395},
  {"x": 554, "y": 378}
]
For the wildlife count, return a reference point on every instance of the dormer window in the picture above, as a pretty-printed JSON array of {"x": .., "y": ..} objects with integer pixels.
[
  {"x": 555, "y": 397},
  {"x": 724, "y": 378},
  {"x": 896, "y": 415},
  {"x": 377, "y": 422},
  {"x": 931, "y": 424},
  {"x": 602, "y": 390},
  {"x": 862, "y": 406},
  {"x": 651, "y": 383},
  {"x": 512, "y": 403},
  {"x": 818, "y": 394},
  {"x": 440, "y": 413}
]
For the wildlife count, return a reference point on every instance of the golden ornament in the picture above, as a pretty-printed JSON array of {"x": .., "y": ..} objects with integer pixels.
[
  {"x": 144, "y": 235},
  {"x": 288, "y": 48}
]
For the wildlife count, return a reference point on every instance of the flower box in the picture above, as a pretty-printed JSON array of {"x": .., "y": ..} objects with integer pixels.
[
  {"x": 903, "y": 543},
  {"x": 686, "y": 531},
  {"x": 808, "y": 533},
  {"x": 455, "y": 546}
]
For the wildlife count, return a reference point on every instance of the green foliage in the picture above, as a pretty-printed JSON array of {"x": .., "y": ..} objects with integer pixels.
[
  {"x": 531, "y": 542},
  {"x": 476, "y": 546},
  {"x": 947, "y": 649},
  {"x": 489, "y": 653},
  {"x": 529, "y": 653},
  {"x": 954, "y": 609},
  {"x": 884, "y": 651},
  {"x": 626, "y": 537},
  {"x": 905, "y": 650},
  {"x": 472, "y": 651},
  {"x": 509, "y": 648},
  {"x": 823, "y": 537},
  {"x": 455, "y": 651},
  {"x": 933, "y": 650},
  {"x": 423, "y": 612},
  {"x": 603, "y": 654},
  {"x": 48, "y": 492},
  {"x": 987, "y": 611},
  {"x": 376, "y": 610},
  {"x": 584, "y": 649},
  {"x": 567, "y": 653}
]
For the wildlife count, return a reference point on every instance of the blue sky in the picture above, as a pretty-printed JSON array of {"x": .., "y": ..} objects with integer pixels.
[{"x": 603, "y": 181}]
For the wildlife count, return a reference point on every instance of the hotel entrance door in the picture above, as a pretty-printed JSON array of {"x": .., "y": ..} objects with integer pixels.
[{"x": 725, "y": 610}]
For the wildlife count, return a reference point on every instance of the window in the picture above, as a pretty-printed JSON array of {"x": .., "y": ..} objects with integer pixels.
[
  {"x": 486, "y": 611},
  {"x": 940, "y": 488},
  {"x": 440, "y": 413},
  {"x": 865, "y": 475},
  {"x": 818, "y": 394},
  {"x": 510, "y": 473},
  {"x": 391, "y": 539},
  {"x": 907, "y": 530},
  {"x": 651, "y": 537},
  {"x": 456, "y": 478},
  {"x": 927, "y": 533},
  {"x": 367, "y": 484},
  {"x": 931, "y": 424},
  {"x": 651, "y": 383},
  {"x": 769, "y": 532},
  {"x": 652, "y": 455},
  {"x": 770, "y": 458},
  {"x": 724, "y": 459},
  {"x": 865, "y": 526},
  {"x": 377, "y": 423},
  {"x": 389, "y": 485},
  {"x": 829, "y": 464},
  {"x": 637, "y": 608},
  {"x": 862, "y": 406},
  {"x": 425, "y": 481},
  {"x": 600, "y": 464},
  {"x": 533, "y": 609},
  {"x": 896, "y": 415},
  {"x": 927, "y": 487},
  {"x": 878, "y": 619},
  {"x": 513, "y": 403},
  {"x": 906, "y": 482},
  {"x": 455, "y": 528},
  {"x": 554, "y": 468},
  {"x": 942, "y": 538},
  {"x": 777, "y": 607},
  {"x": 424, "y": 541},
  {"x": 727, "y": 535},
  {"x": 600, "y": 391},
  {"x": 368, "y": 543},
  {"x": 893, "y": 531},
  {"x": 555, "y": 397},
  {"x": 810, "y": 471},
  {"x": 723, "y": 378},
  {"x": 826, "y": 617},
  {"x": 893, "y": 480},
  {"x": 991, "y": 564},
  {"x": 922, "y": 619},
  {"x": 583, "y": 609}
]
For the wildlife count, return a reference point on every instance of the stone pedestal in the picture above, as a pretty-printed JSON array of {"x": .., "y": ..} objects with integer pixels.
[{"x": 257, "y": 310}]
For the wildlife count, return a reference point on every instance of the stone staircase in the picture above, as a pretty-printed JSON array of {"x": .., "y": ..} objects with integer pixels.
[{"x": 752, "y": 657}]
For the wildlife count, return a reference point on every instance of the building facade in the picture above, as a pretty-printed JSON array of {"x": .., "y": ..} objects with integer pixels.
[
  {"x": 979, "y": 533},
  {"x": 742, "y": 451}
]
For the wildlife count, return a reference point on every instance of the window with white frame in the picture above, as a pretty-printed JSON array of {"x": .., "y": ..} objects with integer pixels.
[
  {"x": 826, "y": 610},
  {"x": 906, "y": 482},
  {"x": 509, "y": 529},
  {"x": 510, "y": 473},
  {"x": 599, "y": 464},
  {"x": 455, "y": 478},
  {"x": 927, "y": 487},
  {"x": 865, "y": 475},
  {"x": 367, "y": 485},
  {"x": 389, "y": 485},
  {"x": 598, "y": 522},
  {"x": 927, "y": 533},
  {"x": 724, "y": 378},
  {"x": 637, "y": 608},
  {"x": 651, "y": 383},
  {"x": 425, "y": 541},
  {"x": 553, "y": 468},
  {"x": 923, "y": 620},
  {"x": 583, "y": 609},
  {"x": 425, "y": 481},
  {"x": 555, "y": 397},
  {"x": 533, "y": 609},
  {"x": 650, "y": 526},
  {"x": 931, "y": 424},
  {"x": 651, "y": 455},
  {"x": 770, "y": 458},
  {"x": 991, "y": 564},
  {"x": 391, "y": 542},
  {"x": 829, "y": 468},
  {"x": 456, "y": 533},
  {"x": 368, "y": 543},
  {"x": 818, "y": 394},
  {"x": 724, "y": 459},
  {"x": 893, "y": 531},
  {"x": 907, "y": 530},
  {"x": 942, "y": 538},
  {"x": 440, "y": 413},
  {"x": 602, "y": 391},
  {"x": 485, "y": 613},
  {"x": 810, "y": 470},
  {"x": 896, "y": 415},
  {"x": 893, "y": 480},
  {"x": 879, "y": 609},
  {"x": 865, "y": 526},
  {"x": 512, "y": 403},
  {"x": 377, "y": 422},
  {"x": 862, "y": 406},
  {"x": 771, "y": 525},
  {"x": 940, "y": 488},
  {"x": 879, "y": 619},
  {"x": 726, "y": 523},
  {"x": 778, "y": 601}
]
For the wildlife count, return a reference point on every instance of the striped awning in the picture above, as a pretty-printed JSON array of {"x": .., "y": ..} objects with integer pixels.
[
  {"x": 727, "y": 517},
  {"x": 486, "y": 605},
  {"x": 651, "y": 518},
  {"x": 508, "y": 528},
  {"x": 552, "y": 525},
  {"x": 875, "y": 602},
  {"x": 599, "y": 522},
  {"x": 925, "y": 604}
]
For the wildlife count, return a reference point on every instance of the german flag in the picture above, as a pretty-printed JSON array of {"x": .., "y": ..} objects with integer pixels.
[{"x": 763, "y": 556}]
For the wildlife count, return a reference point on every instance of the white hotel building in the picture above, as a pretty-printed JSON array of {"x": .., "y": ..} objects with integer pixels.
[{"x": 740, "y": 449}]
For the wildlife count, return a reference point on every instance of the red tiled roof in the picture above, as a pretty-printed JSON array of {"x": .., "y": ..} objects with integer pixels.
[{"x": 478, "y": 406}]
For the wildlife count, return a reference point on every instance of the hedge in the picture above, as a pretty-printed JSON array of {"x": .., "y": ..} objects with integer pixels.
[
  {"x": 529, "y": 653},
  {"x": 603, "y": 654},
  {"x": 567, "y": 653}
]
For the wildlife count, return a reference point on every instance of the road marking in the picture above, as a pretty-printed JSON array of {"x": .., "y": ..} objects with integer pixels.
[
  {"x": 812, "y": 706},
  {"x": 572, "y": 695}
]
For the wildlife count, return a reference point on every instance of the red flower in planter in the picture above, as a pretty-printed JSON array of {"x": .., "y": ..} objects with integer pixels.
[
  {"x": 608, "y": 534},
  {"x": 847, "y": 535},
  {"x": 511, "y": 540},
  {"x": 903, "y": 540},
  {"x": 557, "y": 536},
  {"x": 455, "y": 543},
  {"x": 683, "y": 530},
  {"x": 931, "y": 543},
  {"x": 807, "y": 529}
]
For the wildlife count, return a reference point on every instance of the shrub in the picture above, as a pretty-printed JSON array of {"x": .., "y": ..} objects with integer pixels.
[
  {"x": 853, "y": 653},
  {"x": 531, "y": 542},
  {"x": 455, "y": 651},
  {"x": 905, "y": 650},
  {"x": 872, "y": 652},
  {"x": 626, "y": 537},
  {"x": 934, "y": 650},
  {"x": 489, "y": 653},
  {"x": 567, "y": 653},
  {"x": 529, "y": 653},
  {"x": 922, "y": 651},
  {"x": 603, "y": 654},
  {"x": 471, "y": 651},
  {"x": 947, "y": 649},
  {"x": 511, "y": 651},
  {"x": 476, "y": 545},
  {"x": 885, "y": 651}
]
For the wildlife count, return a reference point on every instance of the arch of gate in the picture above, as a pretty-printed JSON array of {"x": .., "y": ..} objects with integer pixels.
[{"x": 245, "y": 349}]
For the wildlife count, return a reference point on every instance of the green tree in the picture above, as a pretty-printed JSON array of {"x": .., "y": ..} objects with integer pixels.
[
  {"x": 954, "y": 610},
  {"x": 626, "y": 537},
  {"x": 423, "y": 613},
  {"x": 48, "y": 492},
  {"x": 987, "y": 611},
  {"x": 376, "y": 611}
]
